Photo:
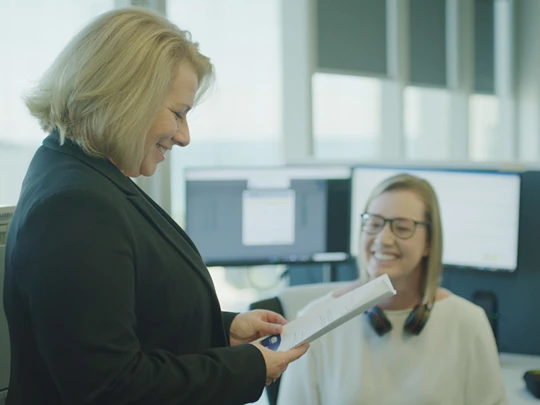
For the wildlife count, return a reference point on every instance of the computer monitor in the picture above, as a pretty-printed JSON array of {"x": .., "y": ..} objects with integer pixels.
[
  {"x": 479, "y": 210},
  {"x": 5, "y": 217},
  {"x": 251, "y": 216}
]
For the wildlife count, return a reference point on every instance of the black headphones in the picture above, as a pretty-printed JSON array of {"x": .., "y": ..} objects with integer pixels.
[{"x": 414, "y": 324}]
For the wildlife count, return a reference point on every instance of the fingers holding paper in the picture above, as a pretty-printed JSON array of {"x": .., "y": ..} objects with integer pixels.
[
  {"x": 249, "y": 326},
  {"x": 277, "y": 362}
]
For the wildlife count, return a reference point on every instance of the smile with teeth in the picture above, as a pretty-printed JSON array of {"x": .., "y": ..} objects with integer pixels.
[
  {"x": 162, "y": 148},
  {"x": 384, "y": 256}
]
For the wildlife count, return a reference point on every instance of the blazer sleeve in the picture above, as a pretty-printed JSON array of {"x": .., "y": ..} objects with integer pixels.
[
  {"x": 484, "y": 382},
  {"x": 75, "y": 271},
  {"x": 228, "y": 318}
]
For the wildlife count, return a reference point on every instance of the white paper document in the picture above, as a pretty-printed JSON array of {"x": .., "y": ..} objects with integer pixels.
[{"x": 331, "y": 314}]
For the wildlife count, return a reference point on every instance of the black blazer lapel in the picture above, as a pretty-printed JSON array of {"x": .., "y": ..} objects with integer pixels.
[
  {"x": 156, "y": 216},
  {"x": 171, "y": 221},
  {"x": 173, "y": 233}
]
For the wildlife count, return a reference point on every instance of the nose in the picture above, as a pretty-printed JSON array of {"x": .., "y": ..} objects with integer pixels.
[
  {"x": 182, "y": 136},
  {"x": 385, "y": 236}
]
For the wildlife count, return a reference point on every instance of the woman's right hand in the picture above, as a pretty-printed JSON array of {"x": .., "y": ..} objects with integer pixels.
[{"x": 277, "y": 362}]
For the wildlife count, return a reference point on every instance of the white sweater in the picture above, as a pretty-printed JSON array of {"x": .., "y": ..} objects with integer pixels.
[{"x": 454, "y": 361}]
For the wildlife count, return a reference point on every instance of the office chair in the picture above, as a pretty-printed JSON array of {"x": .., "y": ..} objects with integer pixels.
[
  {"x": 288, "y": 303},
  {"x": 5, "y": 218}
]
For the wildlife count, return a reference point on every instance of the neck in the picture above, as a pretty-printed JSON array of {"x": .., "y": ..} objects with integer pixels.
[
  {"x": 125, "y": 173},
  {"x": 408, "y": 293}
]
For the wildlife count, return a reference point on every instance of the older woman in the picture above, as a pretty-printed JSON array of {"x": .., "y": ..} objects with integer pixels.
[
  {"x": 107, "y": 299},
  {"x": 424, "y": 345}
]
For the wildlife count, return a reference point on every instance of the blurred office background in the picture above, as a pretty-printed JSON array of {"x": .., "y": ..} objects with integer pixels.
[
  {"x": 313, "y": 80},
  {"x": 428, "y": 82}
]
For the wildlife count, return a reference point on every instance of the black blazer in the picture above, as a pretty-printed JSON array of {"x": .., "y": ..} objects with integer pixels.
[{"x": 108, "y": 300}]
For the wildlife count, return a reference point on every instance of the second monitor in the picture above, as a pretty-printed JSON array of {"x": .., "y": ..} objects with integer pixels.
[{"x": 479, "y": 213}]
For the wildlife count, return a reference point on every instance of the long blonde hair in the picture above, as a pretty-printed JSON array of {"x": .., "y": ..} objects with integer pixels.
[
  {"x": 105, "y": 88},
  {"x": 432, "y": 266}
]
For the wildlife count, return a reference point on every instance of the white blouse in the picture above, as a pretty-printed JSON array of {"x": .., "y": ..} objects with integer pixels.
[{"x": 454, "y": 361}]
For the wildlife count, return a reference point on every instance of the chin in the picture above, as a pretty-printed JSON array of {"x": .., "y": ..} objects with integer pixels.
[
  {"x": 393, "y": 273},
  {"x": 148, "y": 171}
]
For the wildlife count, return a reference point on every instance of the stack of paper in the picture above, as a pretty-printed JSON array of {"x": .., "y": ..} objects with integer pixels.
[{"x": 331, "y": 314}]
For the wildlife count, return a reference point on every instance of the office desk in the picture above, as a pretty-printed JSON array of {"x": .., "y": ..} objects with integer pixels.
[{"x": 513, "y": 367}]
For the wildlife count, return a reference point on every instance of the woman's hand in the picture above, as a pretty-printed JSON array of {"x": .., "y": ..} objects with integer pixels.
[
  {"x": 277, "y": 362},
  {"x": 248, "y": 326}
]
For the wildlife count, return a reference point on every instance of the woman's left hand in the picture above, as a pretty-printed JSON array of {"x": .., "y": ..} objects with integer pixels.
[{"x": 249, "y": 326}]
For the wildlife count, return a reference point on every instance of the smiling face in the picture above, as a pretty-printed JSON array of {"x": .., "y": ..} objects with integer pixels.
[
  {"x": 170, "y": 125},
  {"x": 385, "y": 253}
]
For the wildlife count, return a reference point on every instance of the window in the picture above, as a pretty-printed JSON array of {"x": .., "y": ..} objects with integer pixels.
[
  {"x": 346, "y": 116},
  {"x": 238, "y": 287},
  {"x": 239, "y": 120},
  {"x": 37, "y": 32},
  {"x": 427, "y": 123},
  {"x": 483, "y": 127}
]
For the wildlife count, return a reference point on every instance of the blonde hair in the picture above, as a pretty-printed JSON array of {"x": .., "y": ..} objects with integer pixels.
[
  {"x": 432, "y": 266},
  {"x": 105, "y": 88}
]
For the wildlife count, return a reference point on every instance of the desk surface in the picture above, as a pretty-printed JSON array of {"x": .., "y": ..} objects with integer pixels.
[{"x": 513, "y": 367}]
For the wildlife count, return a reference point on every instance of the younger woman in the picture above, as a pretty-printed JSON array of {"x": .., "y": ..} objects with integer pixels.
[{"x": 423, "y": 346}]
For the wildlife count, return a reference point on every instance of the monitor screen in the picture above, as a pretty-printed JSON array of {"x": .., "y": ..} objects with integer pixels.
[
  {"x": 248, "y": 216},
  {"x": 479, "y": 213}
]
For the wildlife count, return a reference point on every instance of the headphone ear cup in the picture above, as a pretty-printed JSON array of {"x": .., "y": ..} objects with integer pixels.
[
  {"x": 379, "y": 321},
  {"x": 417, "y": 319}
]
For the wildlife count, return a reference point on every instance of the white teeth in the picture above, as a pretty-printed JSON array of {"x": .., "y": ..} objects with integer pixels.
[
  {"x": 162, "y": 149},
  {"x": 383, "y": 256}
]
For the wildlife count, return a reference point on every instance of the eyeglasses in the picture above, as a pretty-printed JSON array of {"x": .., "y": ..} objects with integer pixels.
[{"x": 403, "y": 228}]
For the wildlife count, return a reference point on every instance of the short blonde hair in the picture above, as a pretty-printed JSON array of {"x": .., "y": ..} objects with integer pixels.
[
  {"x": 105, "y": 88},
  {"x": 433, "y": 266}
]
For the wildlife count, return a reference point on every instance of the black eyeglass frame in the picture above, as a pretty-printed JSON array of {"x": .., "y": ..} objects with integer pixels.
[{"x": 366, "y": 215}]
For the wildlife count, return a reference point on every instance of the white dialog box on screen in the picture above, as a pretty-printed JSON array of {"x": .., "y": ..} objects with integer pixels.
[{"x": 268, "y": 217}]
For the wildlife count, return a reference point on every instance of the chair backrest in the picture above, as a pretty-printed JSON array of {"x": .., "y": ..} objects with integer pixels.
[
  {"x": 5, "y": 218},
  {"x": 294, "y": 298},
  {"x": 4, "y": 334},
  {"x": 288, "y": 303}
]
